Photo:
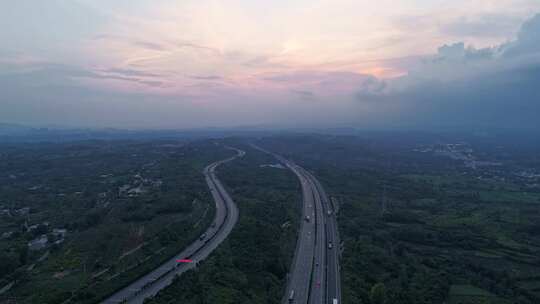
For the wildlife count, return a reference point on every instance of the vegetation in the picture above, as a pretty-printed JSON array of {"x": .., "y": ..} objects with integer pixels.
[
  {"x": 109, "y": 212},
  {"x": 251, "y": 265},
  {"x": 422, "y": 227},
  {"x": 423, "y": 218}
]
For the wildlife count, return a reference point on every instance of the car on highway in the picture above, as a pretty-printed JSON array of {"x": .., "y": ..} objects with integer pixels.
[
  {"x": 202, "y": 237},
  {"x": 330, "y": 245},
  {"x": 307, "y": 218},
  {"x": 291, "y": 297}
]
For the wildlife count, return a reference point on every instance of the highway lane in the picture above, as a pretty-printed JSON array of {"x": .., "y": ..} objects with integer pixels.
[
  {"x": 300, "y": 278},
  {"x": 318, "y": 282},
  {"x": 315, "y": 274},
  {"x": 315, "y": 266},
  {"x": 325, "y": 277},
  {"x": 333, "y": 284},
  {"x": 225, "y": 219},
  {"x": 308, "y": 283},
  {"x": 303, "y": 263}
]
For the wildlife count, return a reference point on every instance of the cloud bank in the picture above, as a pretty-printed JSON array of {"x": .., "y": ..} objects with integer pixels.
[{"x": 465, "y": 87}]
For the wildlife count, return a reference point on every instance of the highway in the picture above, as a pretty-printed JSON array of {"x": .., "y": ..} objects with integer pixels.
[
  {"x": 315, "y": 275},
  {"x": 225, "y": 219},
  {"x": 333, "y": 284},
  {"x": 324, "y": 286}
]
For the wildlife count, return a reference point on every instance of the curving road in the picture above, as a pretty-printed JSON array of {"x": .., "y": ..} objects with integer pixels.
[
  {"x": 226, "y": 217},
  {"x": 314, "y": 277}
]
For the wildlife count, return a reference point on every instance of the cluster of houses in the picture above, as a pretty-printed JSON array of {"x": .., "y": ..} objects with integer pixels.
[
  {"x": 46, "y": 237},
  {"x": 12, "y": 212},
  {"x": 17, "y": 212},
  {"x": 43, "y": 241},
  {"x": 138, "y": 186}
]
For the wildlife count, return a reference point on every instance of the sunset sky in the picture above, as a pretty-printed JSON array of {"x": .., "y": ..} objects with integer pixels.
[{"x": 184, "y": 64}]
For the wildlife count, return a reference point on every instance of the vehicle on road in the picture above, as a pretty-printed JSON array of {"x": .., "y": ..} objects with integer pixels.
[
  {"x": 202, "y": 237},
  {"x": 330, "y": 245},
  {"x": 291, "y": 297},
  {"x": 307, "y": 218}
]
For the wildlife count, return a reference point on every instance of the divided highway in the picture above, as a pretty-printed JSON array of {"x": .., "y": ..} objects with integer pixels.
[
  {"x": 314, "y": 277},
  {"x": 333, "y": 284},
  {"x": 225, "y": 219},
  {"x": 319, "y": 228}
]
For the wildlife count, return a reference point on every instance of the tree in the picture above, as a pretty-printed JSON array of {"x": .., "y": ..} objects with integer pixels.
[
  {"x": 8, "y": 263},
  {"x": 40, "y": 229},
  {"x": 23, "y": 254},
  {"x": 377, "y": 294},
  {"x": 20, "y": 275}
]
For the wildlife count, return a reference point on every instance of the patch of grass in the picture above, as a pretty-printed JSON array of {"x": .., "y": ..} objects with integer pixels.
[
  {"x": 468, "y": 294},
  {"x": 509, "y": 196},
  {"x": 468, "y": 290}
]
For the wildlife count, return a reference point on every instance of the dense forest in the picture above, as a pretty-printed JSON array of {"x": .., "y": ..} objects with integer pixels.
[
  {"x": 81, "y": 219},
  {"x": 421, "y": 226},
  {"x": 422, "y": 218}
]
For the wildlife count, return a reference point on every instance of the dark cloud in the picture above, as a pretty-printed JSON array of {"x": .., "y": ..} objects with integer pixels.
[
  {"x": 373, "y": 86},
  {"x": 152, "y": 83},
  {"x": 528, "y": 41},
  {"x": 257, "y": 61},
  {"x": 305, "y": 95},
  {"x": 499, "y": 100},
  {"x": 263, "y": 61},
  {"x": 192, "y": 45},
  {"x": 130, "y": 72},
  {"x": 45, "y": 74},
  {"x": 51, "y": 94},
  {"x": 458, "y": 51},
  {"x": 208, "y": 77},
  {"x": 467, "y": 87},
  {"x": 149, "y": 45},
  {"x": 316, "y": 77},
  {"x": 158, "y": 46}
]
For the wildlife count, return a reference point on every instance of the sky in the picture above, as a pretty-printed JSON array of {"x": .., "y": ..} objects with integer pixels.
[{"x": 320, "y": 63}]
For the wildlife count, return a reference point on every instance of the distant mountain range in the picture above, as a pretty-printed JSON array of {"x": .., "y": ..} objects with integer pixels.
[
  {"x": 13, "y": 129},
  {"x": 21, "y": 133},
  {"x": 10, "y": 133}
]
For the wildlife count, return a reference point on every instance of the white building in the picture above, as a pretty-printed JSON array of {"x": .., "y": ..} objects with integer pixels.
[{"x": 38, "y": 243}]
